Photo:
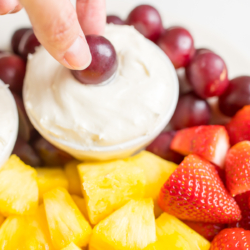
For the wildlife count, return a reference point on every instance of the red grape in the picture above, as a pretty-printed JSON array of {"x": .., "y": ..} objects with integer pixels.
[
  {"x": 178, "y": 44},
  {"x": 236, "y": 96},
  {"x": 191, "y": 111},
  {"x": 147, "y": 20},
  {"x": 26, "y": 153},
  {"x": 104, "y": 61},
  {"x": 16, "y": 38},
  {"x": 26, "y": 130},
  {"x": 12, "y": 71},
  {"x": 184, "y": 85},
  {"x": 28, "y": 44},
  {"x": 161, "y": 147},
  {"x": 115, "y": 20},
  {"x": 207, "y": 73},
  {"x": 50, "y": 155},
  {"x": 202, "y": 51},
  {"x": 217, "y": 117}
]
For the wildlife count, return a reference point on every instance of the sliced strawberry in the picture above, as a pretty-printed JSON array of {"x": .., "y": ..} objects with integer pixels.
[
  {"x": 243, "y": 202},
  {"x": 238, "y": 168},
  {"x": 239, "y": 127},
  {"x": 232, "y": 239},
  {"x": 195, "y": 192},
  {"x": 210, "y": 142},
  {"x": 207, "y": 230}
]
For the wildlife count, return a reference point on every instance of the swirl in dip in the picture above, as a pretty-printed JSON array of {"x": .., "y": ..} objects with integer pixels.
[
  {"x": 8, "y": 123},
  {"x": 132, "y": 105}
]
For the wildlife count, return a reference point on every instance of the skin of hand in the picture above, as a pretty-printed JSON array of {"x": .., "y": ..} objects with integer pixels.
[{"x": 60, "y": 28}]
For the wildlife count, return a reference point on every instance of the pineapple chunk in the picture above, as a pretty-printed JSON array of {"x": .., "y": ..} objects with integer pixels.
[
  {"x": 66, "y": 223},
  {"x": 12, "y": 233},
  {"x": 167, "y": 225},
  {"x": 25, "y": 232},
  {"x": 75, "y": 186},
  {"x": 18, "y": 188},
  {"x": 130, "y": 227},
  {"x": 109, "y": 185},
  {"x": 50, "y": 178},
  {"x": 80, "y": 202},
  {"x": 37, "y": 233},
  {"x": 1, "y": 219},
  {"x": 170, "y": 242},
  {"x": 157, "y": 172},
  {"x": 71, "y": 246}
]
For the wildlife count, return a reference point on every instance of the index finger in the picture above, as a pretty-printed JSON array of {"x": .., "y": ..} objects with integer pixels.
[
  {"x": 91, "y": 16},
  {"x": 56, "y": 26}
]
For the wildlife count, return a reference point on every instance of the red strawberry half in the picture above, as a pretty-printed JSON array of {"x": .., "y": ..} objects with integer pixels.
[
  {"x": 195, "y": 192},
  {"x": 239, "y": 127},
  {"x": 207, "y": 230},
  {"x": 232, "y": 239},
  {"x": 211, "y": 142},
  {"x": 243, "y": 202},
  {"x": 238, "y": 168}
]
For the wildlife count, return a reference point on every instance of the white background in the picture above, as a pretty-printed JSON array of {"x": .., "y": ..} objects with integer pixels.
[
  {"x": 222, "y": 25},
  {"x": 228, "y": 18}
]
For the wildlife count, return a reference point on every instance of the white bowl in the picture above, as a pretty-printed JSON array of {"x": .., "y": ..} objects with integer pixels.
[{"x": 124, "y": 149}]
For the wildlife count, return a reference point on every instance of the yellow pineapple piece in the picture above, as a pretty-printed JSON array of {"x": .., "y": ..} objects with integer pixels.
[
  {"x": 71, "y": 246},
  {"x": 170, "y": 242},
  {"x": 66, "y": 222},
  {"x": 12, "y": 233},
  {"x": 75, "y": 186},
  {"x": 81, "y": 204},
  {"x": 167, "y": 225},
  {"x": 37, "y": 231},
  {"x": 1, "y": 219},
  {"x": 25, "y": 232},
  {"x": 109, "y": 185},
  {"x": 18, "y": 188},
  {"x": 50, "y": 178},
  {"x": 157, "y": 172},
  {"x": 130, "y": 227}
]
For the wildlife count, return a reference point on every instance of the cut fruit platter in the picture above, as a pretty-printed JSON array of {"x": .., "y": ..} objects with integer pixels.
[{"x": 188, "y": 189}]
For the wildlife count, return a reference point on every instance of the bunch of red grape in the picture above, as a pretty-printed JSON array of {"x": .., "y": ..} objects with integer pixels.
[{"x": 207, "y": 96}]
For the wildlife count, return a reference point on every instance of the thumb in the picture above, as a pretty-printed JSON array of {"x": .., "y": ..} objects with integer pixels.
[{"x": 57, "y": 28}]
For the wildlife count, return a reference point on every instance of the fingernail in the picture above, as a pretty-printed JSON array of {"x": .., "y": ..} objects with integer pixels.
[
  {"x": 12, "y": 10},
  {"x": 78, "y": 55}
]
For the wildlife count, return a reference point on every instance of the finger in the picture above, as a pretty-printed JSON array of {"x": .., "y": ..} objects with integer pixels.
[
  {"x": 7, "y": 6},
  {"x": 57, "y": 28},
  {"x": 17, "y": 9},
  {"x": 91, "y": 16}
]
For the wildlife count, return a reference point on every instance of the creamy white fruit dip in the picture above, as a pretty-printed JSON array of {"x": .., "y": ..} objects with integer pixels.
[
  {"x": 132, "y": 105},
  {"x": 8, "y": 123}
]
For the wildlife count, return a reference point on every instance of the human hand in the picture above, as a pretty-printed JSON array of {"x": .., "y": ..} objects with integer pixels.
[{"x": 60, "y": 28}]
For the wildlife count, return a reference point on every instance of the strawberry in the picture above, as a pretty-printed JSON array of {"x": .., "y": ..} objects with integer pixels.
[
  {"x": 210, "y": 142},
  {"x": 243, "y": 202},
  {"x": 207, "y": 230},
  {"x": 239, "y": 127},
  {"x": 232, "y": 239},
  {"x": 195, "y": 192},
  {"x": 237, "y": 168}
]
